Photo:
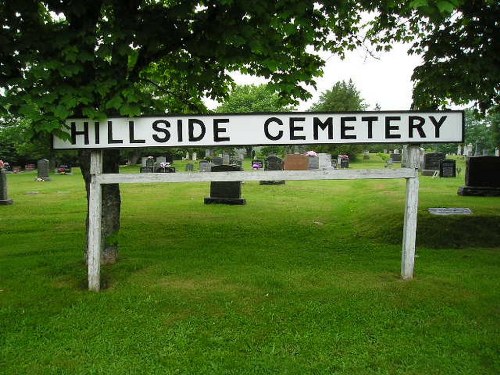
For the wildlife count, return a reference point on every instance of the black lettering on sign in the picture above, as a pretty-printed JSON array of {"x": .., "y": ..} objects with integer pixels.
[
  {"x": 416, "y": 123},
  {"x": 161, "y": 127},
  {"x": 266, "y": 129},
  {"x": 110, "y": 134},
  {"x": 437, "y": 124},
  {"x": 84, "y": 132},
  {"x": 344, "y": 128},
  {"x": 318, "y": 124},
  {"x": 217, "y": 130},
  {"x": 179, "y": 130},
  {"x": 389, "y": 128},
  {"x": 191, "y": 128},
  {"x": 131, "y": 133},
  {"x": 96, "y": 132},
  {"x": 370, "y": 120},
  {"x": 295, "y": 128}
]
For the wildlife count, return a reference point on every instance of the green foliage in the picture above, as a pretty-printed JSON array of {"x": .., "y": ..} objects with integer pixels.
[
  {"x": 342, "y": 97},
  {"x": 480, "y": 131},
  {"x": 458, "y": 41},
  {"x": 252, "y": 98}
]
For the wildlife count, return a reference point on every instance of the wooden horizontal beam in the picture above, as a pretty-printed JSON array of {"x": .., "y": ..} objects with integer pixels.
[{"x": 334, "y": 174}]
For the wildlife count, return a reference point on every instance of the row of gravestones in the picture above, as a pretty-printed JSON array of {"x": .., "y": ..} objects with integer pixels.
[{"x": 230, "y": 192}]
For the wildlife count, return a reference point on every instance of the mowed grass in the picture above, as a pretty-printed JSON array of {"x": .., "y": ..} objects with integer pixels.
[{"x": 303, "y": 279}]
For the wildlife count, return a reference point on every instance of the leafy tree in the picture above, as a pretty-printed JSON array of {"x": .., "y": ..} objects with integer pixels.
[
  {"x": 101, "y": 58},
  {"x": 342, "y": 97},
  {"x": 252, "y": 98},
  {"x": 479, "y": 131},
  {"x": 62, "y": 58},
  {"x": 459, "y": 43}
]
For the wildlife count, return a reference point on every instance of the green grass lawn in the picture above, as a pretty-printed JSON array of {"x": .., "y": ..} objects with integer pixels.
[{"x": 303, "y": 279}]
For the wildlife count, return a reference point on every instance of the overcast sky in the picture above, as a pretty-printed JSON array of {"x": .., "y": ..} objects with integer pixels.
[{"x": 385, "y": 80}]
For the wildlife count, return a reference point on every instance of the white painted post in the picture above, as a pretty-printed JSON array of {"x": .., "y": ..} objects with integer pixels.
[
  {"x": 411, "y": 211},
  {"x": 95, "y": 217}
]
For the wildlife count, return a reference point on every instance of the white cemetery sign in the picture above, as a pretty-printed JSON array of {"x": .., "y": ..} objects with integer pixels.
[{"x": 412, "y": 128}]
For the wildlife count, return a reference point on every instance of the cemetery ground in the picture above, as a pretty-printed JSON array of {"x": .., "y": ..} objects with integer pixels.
[{"x": 302, "y": 279}]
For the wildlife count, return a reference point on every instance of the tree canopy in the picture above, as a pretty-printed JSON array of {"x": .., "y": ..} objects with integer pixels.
[{"x": 252, "y": 98}]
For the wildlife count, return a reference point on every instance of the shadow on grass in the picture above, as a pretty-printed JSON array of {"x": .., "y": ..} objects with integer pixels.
[
  {"x": 458, "y": 231},
  {"x": 439, "y": 232}
]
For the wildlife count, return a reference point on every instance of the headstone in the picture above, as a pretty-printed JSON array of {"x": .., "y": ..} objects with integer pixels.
[
  {"x": 343, "y": 161},
  {"x": 29, "y": 167},
  {"x": 161, "y": 159},
  {"x": 43, "y": 170},
  {"x": 497, "y": 151},
  {"x": 143, "y": 161},
  {"x": 459, "y": 150},
  {"x": 482, "y": 176},
  {"x": 273, "y": 163},
  {"x": 149, "y": 165},
  {"x": 205, "y": 166},
  {"x": 189, "y": 167},
  {"x": 194, "y": 156},
  {"x": 169, "y": 158},
  {"x": 450, "y": 211},
  {"x": 4, "y": 198},
  {"x": 296, "y": 162},
  {"x": 325, "y": 160},
  {"x": 468, "y": 150},
  {"x": 225, "y": 159},
  {"x": 396, "y": 157},
  {"x": 432, "y": 161},
  {"x": 313, "y": 162},
  {"x": 217, "y": 160},
  {"x": 164, "y": 167},
  {"x": 63, "y": 169},
  {"x": 448, "y": 168},
  {"x": 225, "y": 192}
]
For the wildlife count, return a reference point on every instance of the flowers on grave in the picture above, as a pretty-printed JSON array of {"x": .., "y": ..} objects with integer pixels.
[
  {"x": 344, "y": 157},
  {"x": 311, "y": 153},
  {"x": 164, "y": 165}
]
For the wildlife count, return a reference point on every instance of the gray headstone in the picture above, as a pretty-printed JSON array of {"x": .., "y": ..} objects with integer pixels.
[
  {"x": 43, "y": 170},
  {"x": 225, "y": 192},
  {"x": 217, "y": 161},
  {"x": 149, "y": 165},
  {"x": 4, "y": 199},
  {"x": 273, "y": 163},
  {"x": 225, "y": 159},
  {"x": 189, "y": 167},
  {"x": 325, "y": 160},
  {"x": 396, "y": 157},
  {"x": 313, "y": 162},
  {"x": 205, "y": 166}
]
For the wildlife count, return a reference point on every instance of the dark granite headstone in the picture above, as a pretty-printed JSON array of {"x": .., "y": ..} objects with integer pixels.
[
  {"x": 432, "y": 162},
  {"x": 273, "y": 163},
  {"x": 344, "y": 161},
  {"x": 43, "y": 170},
  {"x": 482, "y": 176},
  {"x": 448, "y": 168},
  {"x": 189, "y": 167},
  {"x": 4, "y": 199},
  {"x": 225, "y": 192},
  {"x": 396, "y": 158}
]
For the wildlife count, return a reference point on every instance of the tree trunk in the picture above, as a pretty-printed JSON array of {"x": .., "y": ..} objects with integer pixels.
[{"x": 111, "y": 203}]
